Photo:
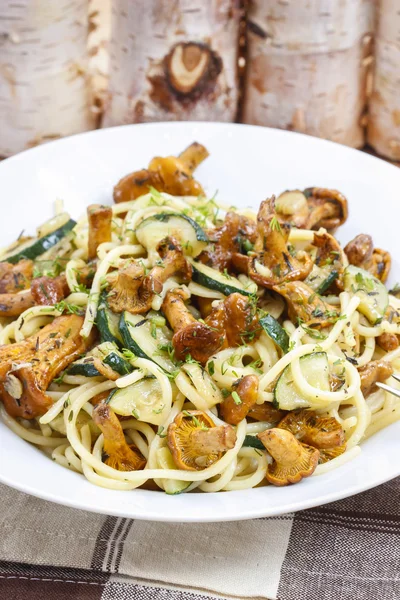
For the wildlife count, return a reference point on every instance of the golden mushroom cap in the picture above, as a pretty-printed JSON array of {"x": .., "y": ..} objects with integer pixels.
[
  {"x": 315, "y": 430},
  {"x": 196, "y": 442}
]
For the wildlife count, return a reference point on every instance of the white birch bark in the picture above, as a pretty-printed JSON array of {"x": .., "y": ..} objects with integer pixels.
[
  {"x": 98, "y": 47},
  {"x": 173, "y": 60},
  {"x": 384, "y": 110},
  {"x": 43, "y": 84},
  {"x": 307, "y": 65}
]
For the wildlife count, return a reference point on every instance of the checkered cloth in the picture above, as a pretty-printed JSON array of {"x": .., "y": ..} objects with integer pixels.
[{"x": 347, "y": 550}]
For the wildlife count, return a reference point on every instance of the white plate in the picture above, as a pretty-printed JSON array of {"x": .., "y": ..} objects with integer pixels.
[{"x": 246, "y": 165}]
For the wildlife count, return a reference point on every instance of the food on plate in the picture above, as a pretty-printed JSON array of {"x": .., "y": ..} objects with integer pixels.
[{"x": 174, "y": 341}]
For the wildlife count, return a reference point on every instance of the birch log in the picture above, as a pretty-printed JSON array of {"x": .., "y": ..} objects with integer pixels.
[
  {"x": 384, "y": 119},
  {"x": 43, "y": 86},
  {"x": 307, "y": 66},
  {"x": 173, "y": 60},
  {"x": 98, "y": 42}
]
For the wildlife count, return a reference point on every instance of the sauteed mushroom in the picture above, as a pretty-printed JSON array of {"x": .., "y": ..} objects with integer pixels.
[
  {"x": 292, "y": 460},
  {"x": 118, "y": 453},
  {"x": 191, "y": 337},
  {"x": 371, "y": 373},
  {"x": 305, "y": 305},
  {"x": 361, "y": 253},
  {"x": 196, "y": 442},
  {"x": 324, "y": 433},
  {"x": 99, "y": 219},
  {"x": 134, "y": 292},
  {"x": 328, "y": 208},
  {"x": 243, "y": 397},
  {"x": 170, "y": 174},
  {"x": 28, "y": 368},
  {"x": 274, "y": 264},
  {"x": 14, "y": 278},
  {"x": 236, "y": 235},
  {"x": 313, "y": 208}
]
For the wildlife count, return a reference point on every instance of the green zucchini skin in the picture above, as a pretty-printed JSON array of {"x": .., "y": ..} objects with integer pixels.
[
  {"x": 118, "y": 364},
  {"x": 113, "y": 360},
  {"x": 85, "y": 369},
  {"x": 275, "y": 331},
  {"x": 326, "y": 284},
  {"x": 41, "y": 245},
  {"x": 218, "y": 282},
  {"x": 137, "y": 338},
  {"x": 251, "y": 441},
  {"x": 109, "y": 331},
  {"x": 128, "y": 341}
]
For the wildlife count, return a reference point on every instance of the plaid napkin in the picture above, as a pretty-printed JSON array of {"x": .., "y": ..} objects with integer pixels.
[{"x": 348, "y": 550}]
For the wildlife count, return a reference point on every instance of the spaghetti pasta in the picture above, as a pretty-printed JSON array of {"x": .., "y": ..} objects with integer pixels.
[{"x": 204, "y": 328}]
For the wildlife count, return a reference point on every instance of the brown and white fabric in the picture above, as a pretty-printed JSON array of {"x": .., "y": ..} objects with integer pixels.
[{"x": 347, "y": 550}]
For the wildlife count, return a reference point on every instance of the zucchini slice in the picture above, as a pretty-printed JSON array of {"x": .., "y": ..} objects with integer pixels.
[
  {"x": 374, "y": 297},
  {"x": 84, "y": 367},
  {"x": 189, "y": 233},
  {"x": 165, "y": 460},
  {"x": 315, "y": 368},
  {"x": 327, "y": 282},
  {"x": 142, "y": 400},
  {"x": 38, "y": 246},
  {"x": 215, "y": 280},
  {"x": 275, "y": 331},
  {"x": 108, "y": 354},
  {"x": 251, "y": 441},
  {"x": 108, "y": 323},
  {"x": 136, "y": 335}
]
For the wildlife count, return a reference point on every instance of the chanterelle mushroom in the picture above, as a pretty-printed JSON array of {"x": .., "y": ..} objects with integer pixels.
[
  {"x": 327, "y": 208},
  {"x": 173, "y": 263},
  {"x": 196, "y": 442},
  {"x": 305, "y": 305},
  {"x": 14, "y": 278},
  {"x": 371, "y": 373},
  {"x": 191, "y": 337},
  {"x": 236, "y": 235},
  {"x": 243, "y": 397},
  {"x": 99, "y": 219},
  {"x": 274, "y": 264},
  {"x": 236, "y": 319},
  {"x": 292, "y": 459},
  {"x": 324, "y": 433},
  {"x": 266, "y": 412},
  {"x": 118, "y": 454},
  {"x": 134, "y": 292},
  {"x": 27, "y": 368},
  {"x": 389, "y": 341},
  {"x": 172, "y": 175},
  {"x": 126, "y": 293},
  {"x": 361, "y": 253}
]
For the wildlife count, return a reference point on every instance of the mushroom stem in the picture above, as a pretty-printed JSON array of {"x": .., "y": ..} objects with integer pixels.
[
  {"x": 193, "y": 156},
  {"x": 176, "y": 311},
  {"x": 216, "y": 439},
  {"x": 120, "y": 455},
  {"x": 292, "y": 459},
  {"x": 247, "y": 392},
  {"x": 173, "y": 263},
  {"x": 282, "y": 445},
  {"x": 99, "y": 218}
]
